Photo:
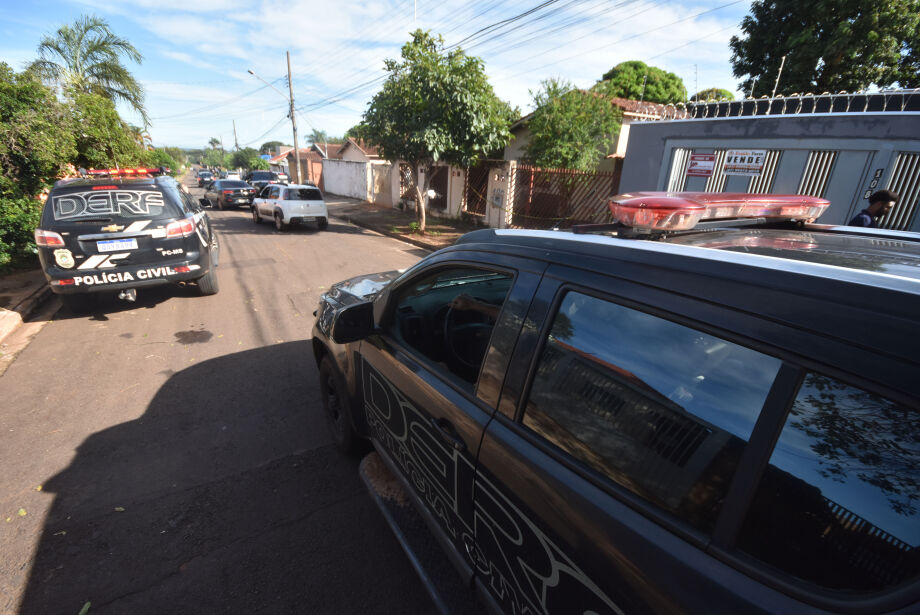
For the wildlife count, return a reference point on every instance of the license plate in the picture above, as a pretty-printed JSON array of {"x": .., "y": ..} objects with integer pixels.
[
  {"x": 309, "y": 219},
  {"x": 114, "y": 245}
]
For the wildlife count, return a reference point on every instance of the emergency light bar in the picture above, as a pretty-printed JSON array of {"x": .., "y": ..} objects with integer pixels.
[
  {"x": 680, "y": 211},
  {"x": 125, "y": 172}
]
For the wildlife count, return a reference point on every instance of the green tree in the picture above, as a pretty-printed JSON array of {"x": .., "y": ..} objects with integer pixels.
[
  {"x": 35, "y": 135},
  {"x": 570, "y": 128},
  {"x": 214, "y": 142},
  {"x": 246, "y": 158},
  {"x": 829, "y": 46},
  {"x": 636, "y": 80},
  {"x": 317, "y": 136},
  {"x": 103, "y": 140},
  {"x": 435, "y": 106},
  {"x": 713, "y": 94},
  {"x": 271, "y": 147},
  {"x": 35, "y": 144},
  {"x": 85, "y": 57}
]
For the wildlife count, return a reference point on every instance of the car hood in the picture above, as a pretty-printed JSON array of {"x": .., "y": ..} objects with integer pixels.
[{"x": 362, "y": 287}]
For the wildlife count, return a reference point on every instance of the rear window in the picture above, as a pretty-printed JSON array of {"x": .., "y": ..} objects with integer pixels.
[
  {"x": 103, "y": 202},
  {"x": 233, "y": 184},
  {"x": 304, "y": 194}
]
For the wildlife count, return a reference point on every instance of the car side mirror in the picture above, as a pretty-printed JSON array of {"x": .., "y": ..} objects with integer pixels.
[{"x": 353, "y": 323}]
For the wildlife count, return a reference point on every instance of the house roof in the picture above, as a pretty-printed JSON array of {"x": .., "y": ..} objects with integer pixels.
[
  {"x": 332, "y": 150},
  {"x": 278, "y": 158},
  {"x": 305, "y": 154},
  {"x": 631, "y": 108},
  {"x": 369, "y": 150}
]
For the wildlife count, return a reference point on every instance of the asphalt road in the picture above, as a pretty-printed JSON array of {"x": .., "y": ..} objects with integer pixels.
[{"x": 169, "y": 456}]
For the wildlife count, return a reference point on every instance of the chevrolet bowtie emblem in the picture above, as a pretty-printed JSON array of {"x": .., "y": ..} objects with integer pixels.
[{"x": 112, "y": 228}]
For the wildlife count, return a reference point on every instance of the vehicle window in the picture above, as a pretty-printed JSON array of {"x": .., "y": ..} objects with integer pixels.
[
  {"x": 275, "y": 192},
  {"x": 661, "y": 409},
  {"x": 232, "y": 183},
  {"x": 266, "y": 192},
  {"x": 123, "y": 202},
  {"x": 304, "y": 194},
  {"x": 448, "y": 317},
  {"x": 839, "y": 504}
]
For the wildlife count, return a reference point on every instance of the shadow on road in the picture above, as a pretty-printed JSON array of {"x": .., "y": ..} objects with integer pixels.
[
  {"x": 101, "y": 304},
  {"x": 223, "y": 497}
]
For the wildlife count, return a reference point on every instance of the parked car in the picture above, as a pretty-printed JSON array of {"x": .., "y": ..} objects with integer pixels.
[
  {"x": 205, "y": 178},
  {"x": 233, "y": 175},
  {"x": 655, "y": 416},
  {"x": 121, "y": 232},
  {"x": 293, "y": 204},
  {"x": 260, "y": 179},
  {"x": 226, "y": 193}
]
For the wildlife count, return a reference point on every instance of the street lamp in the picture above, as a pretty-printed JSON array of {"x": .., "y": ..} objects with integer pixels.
[{"x": 290, "y": 111}]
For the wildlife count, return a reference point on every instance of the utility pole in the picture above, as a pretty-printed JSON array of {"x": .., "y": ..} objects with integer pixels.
[
  {"x": 776, "y": 85},
  {"x": 236, "y": 143},
  {"x": 696, "y": 81},
  {"x": 294, "y": 121},
  {"x": 644, "y": 80}
]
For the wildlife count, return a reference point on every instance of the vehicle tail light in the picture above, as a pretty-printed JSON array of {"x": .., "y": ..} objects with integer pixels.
[
  {"x": 228, "y": 191},
  {"x": 64, "y": 282},
  {"x": 180, "y": 228},
  {"x": 48, "y": 239},
  {"x": 105, "y": 187},
  {"x": 182, "y": 269}
]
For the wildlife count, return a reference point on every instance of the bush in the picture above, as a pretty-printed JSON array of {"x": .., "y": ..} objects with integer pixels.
[{"x": 18, "y": 220}]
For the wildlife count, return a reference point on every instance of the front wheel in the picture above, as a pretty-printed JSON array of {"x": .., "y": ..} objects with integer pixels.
[
  {"x": 255, "y": 215},
  {"x": 335, "y": 407},
  {"x": 207, "y": 284}
]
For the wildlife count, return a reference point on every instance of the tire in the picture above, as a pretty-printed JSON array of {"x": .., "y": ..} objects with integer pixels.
[
  {"x": 322, "y": 224},
  {"x": 255, "y": 215},
  {"x": 335, "y": 408},
  {"x": 207, "y": 284},
  {"x": 78, "y": 304},
  {"x": 279, "y": 222}
]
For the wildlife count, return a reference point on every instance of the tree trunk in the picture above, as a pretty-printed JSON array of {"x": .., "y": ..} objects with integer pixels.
[{"x": 421, "y": 194}]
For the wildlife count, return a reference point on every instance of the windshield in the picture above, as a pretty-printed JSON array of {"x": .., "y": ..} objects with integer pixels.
[{"x": 304, "y": 194}]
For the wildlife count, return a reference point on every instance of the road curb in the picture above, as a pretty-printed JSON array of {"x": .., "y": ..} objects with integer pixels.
[
  {"x": 400, "y": 237},
  {"x": 11, "y": 319}
]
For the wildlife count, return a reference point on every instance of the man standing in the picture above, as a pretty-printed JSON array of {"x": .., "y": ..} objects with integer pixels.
[{"x": 880, "y": 203}]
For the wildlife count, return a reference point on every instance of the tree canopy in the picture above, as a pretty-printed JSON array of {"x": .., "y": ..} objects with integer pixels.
[
  {"x": 712, "y": 94},
  {"x": 636, "y": 80},
  {"x": 247, "y": 158},
  {"x": 85, "y": 58},
  {"x": 103, "y": 139},
  {"x": 272, "y": 146},
  {"x": 436, "y": 105},
  {"x": 571, "y": 128},
  {"x": 829, "y": 46}
]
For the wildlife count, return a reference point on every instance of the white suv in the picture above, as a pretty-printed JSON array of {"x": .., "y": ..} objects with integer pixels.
[{"x": 293, "y": 204}]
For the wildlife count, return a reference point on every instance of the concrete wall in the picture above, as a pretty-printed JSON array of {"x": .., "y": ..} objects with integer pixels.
[
  {"x": 346, "y": 178},
  {"x": 867, "y": 144},
  {"x": 519, "y": 140},
  {"x": 384, "y": 183},
  {"x": 500, "y": 191}
]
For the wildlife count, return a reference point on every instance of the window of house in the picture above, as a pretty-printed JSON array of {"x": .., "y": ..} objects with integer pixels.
[
  {"x": 448, "y": 316},
  {"x": 661, "y": 409},
  {"x": 839, "y": 504}
]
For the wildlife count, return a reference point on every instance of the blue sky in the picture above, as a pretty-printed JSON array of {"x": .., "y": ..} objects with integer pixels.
[{"x": 197, "y": 52}]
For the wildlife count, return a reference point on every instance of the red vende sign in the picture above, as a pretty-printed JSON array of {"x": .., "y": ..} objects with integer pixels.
[{"x": 701, "y": 165}]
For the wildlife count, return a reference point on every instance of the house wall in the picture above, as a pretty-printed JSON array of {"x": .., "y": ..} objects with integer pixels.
[
  {"x": 354, "y": 155},
  {"x": 346, "y": 178},
  {"x": 867, "y": 146},
  {"x": 383, "y": 176},
  {"x": 519, "y": 140}
]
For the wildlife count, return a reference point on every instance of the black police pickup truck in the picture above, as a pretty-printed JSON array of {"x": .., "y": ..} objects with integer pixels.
[
  {"x": 122, "y": 229},
  {"x": 664, "y": 415}
]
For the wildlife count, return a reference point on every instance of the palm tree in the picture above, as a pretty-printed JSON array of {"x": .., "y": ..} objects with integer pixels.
[
  {"x": 214, "y": 142},
  {"x": 85, "y": 57}
]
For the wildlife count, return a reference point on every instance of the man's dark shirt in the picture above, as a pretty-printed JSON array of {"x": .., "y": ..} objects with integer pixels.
[{"x": 863, "y": 218}]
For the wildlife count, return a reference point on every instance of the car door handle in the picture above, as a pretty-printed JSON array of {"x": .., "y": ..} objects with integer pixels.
[{"x": 447, "y": 433}]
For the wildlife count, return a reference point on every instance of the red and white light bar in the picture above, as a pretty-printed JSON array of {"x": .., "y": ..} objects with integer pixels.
[
  {"x": 126, "y": 172},
  {"x": 678, "y": 211}
]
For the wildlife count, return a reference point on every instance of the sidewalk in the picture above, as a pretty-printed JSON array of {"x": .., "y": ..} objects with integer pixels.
[
  {"x": 440, "y": 232},
  {"x": 22, "y": 293}
]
